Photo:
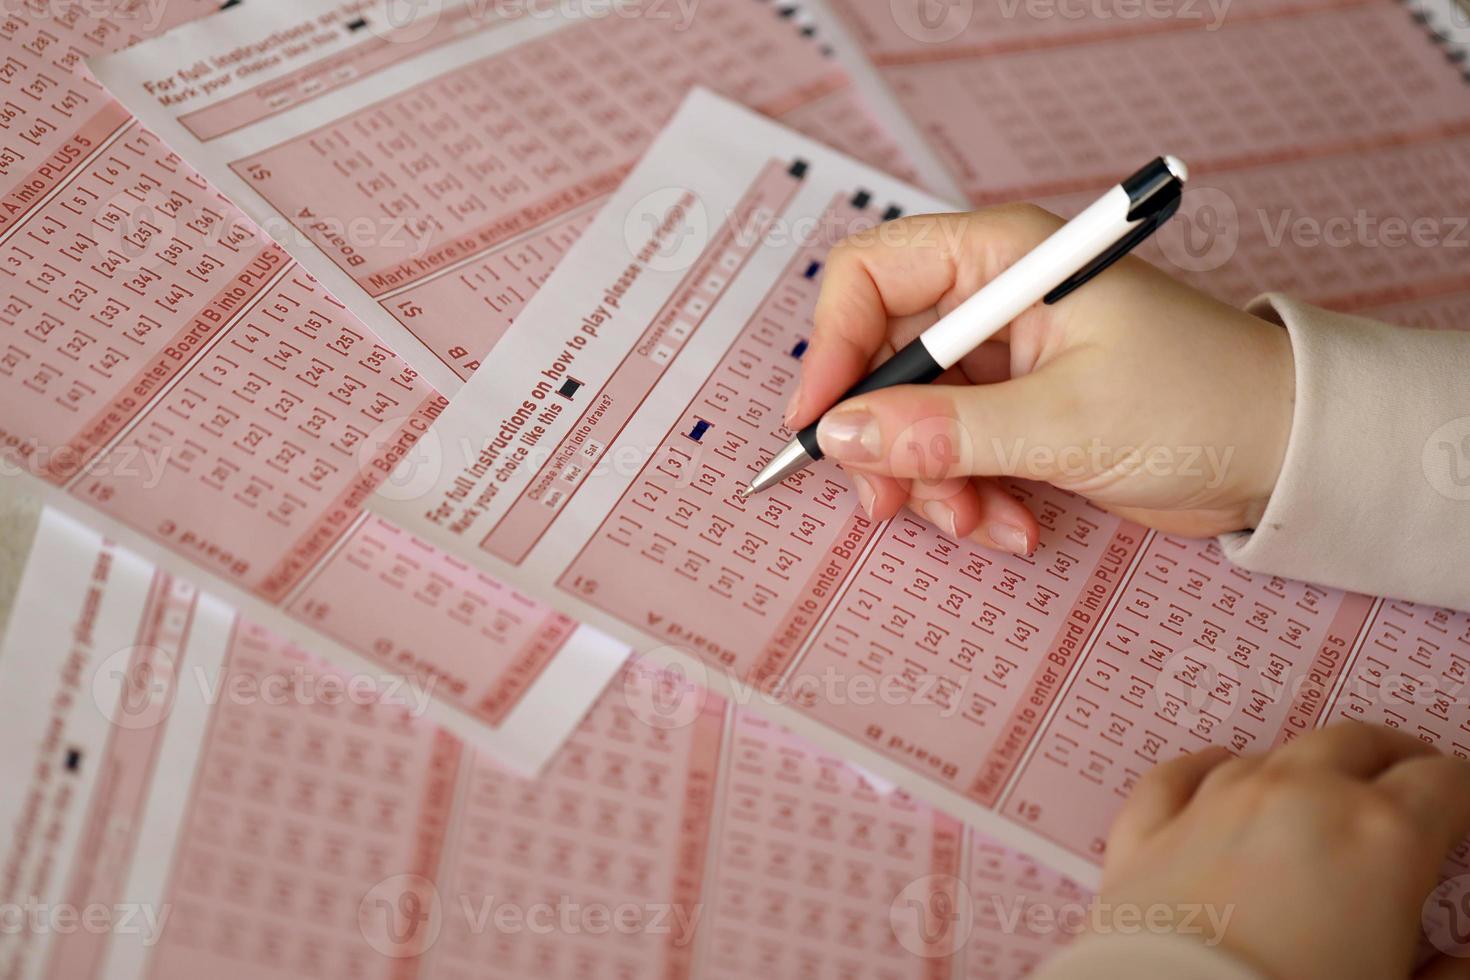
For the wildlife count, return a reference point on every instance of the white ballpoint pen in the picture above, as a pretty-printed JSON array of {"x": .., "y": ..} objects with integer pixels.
[{"x": 1107, "y": 230}]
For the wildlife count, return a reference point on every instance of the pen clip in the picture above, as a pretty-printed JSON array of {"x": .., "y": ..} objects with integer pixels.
[{"x": 1117, "y": 250}]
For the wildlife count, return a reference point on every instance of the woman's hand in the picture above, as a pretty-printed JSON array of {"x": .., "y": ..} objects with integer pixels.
[
  {"x": 1318, "y": 856},
  {"x": 1153, "y": 400}
]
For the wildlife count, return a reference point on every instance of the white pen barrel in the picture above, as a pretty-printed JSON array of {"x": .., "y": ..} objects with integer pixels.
[{"x": 1034, "y": 275}]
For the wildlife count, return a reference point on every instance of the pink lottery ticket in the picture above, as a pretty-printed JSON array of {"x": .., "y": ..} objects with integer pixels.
[
  {"x": 193, "y": 796},
  {"x": 1344, "y": 187},
  {"x": 1026, "y": 695},
  {"x": 432, "y": 173},
  {"x": 170, "y": 372}
]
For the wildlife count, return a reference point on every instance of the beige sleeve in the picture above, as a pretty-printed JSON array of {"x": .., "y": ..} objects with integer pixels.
[
  {"x": 1374, "y": 493},
  {"x": 1143, "y": 955}
]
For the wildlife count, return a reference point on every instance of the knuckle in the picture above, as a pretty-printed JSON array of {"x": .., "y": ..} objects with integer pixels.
[
  {"x": 1291, "y": 790},
  {"x": 1380, "y": 819},
  {"x": 1274, "y": 781}
]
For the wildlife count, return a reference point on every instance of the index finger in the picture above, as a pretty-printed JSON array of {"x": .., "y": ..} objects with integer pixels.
[{"x": 899, "y": 269}]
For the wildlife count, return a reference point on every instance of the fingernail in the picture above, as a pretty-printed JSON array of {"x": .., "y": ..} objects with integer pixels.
[
  {"x": 865, "y": 492},
  {"x": 941, "y": 516},
  {"x": 850, "y": 436},
  {"x": 1008, "y": 537},
  {"x": 791, "y": 405}
]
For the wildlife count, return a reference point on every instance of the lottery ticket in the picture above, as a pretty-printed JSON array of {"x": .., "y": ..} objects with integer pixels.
[
  {"x": 190, "y": 796},
  {"x": 167, "y": 371},
  {"x": 598, "y": 466},
  {"x": 1328, "y": 140},
  {"x": 433, "y": 169}
]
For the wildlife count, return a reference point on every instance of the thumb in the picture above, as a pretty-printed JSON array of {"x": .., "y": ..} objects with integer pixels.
[{"x": 938, "y": 432}]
